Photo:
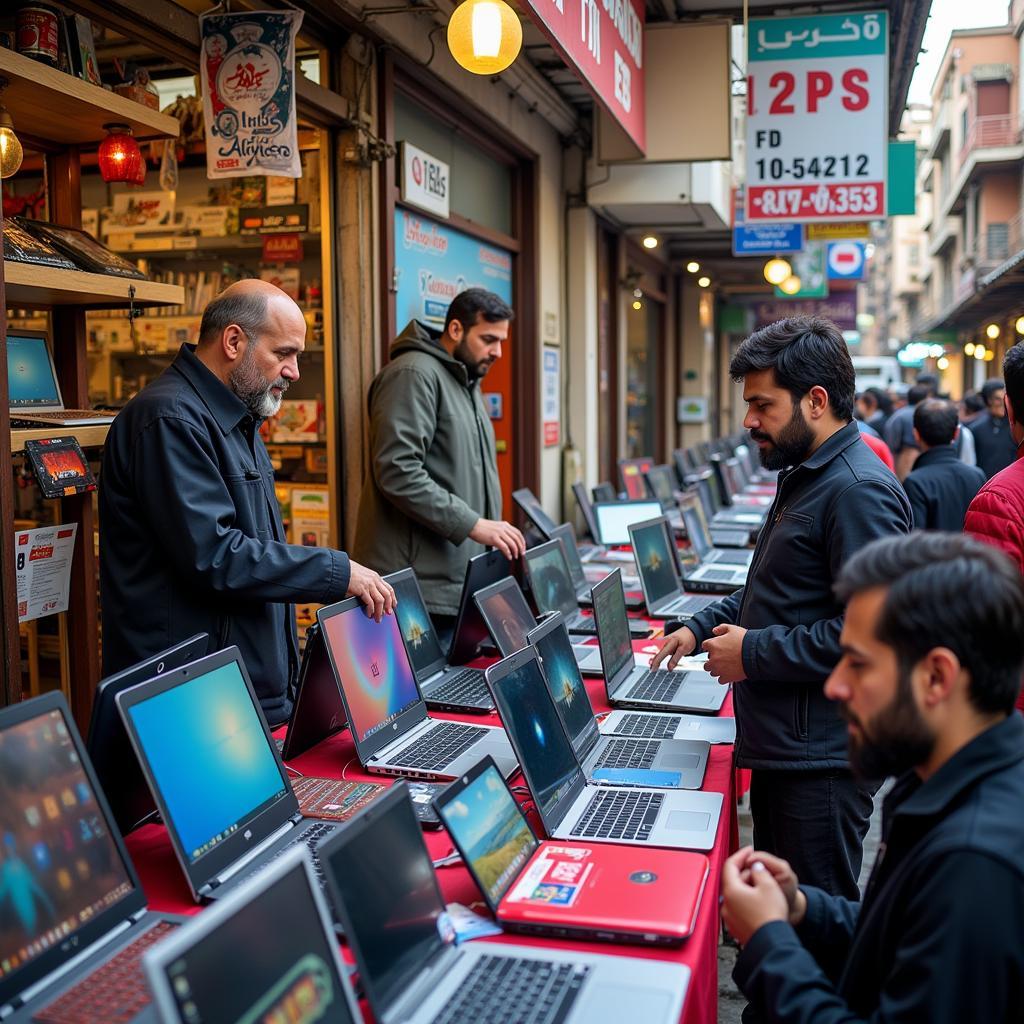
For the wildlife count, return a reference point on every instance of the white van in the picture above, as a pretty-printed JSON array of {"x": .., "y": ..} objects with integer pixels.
[{"x": 876, "y": 372}]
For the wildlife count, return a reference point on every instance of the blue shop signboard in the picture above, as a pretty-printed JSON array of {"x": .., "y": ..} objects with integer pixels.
[{"x": 434, "y": 262}]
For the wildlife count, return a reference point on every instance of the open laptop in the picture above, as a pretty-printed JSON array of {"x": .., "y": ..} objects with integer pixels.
[
  {"x": 580, "y": 578},
  {"x": 614, "y": 518},
  {"x": 569, "y": 806},
  {"x": 444, "y": 687},
  {"x": 510, "y": 620},
  {"x": 387, "y": 895},
  {"x": 265, "y": 954},
  {"x": 317, "y": 711},
  {"x": 74, "y": 923},
  {"x": 587, "y": 510},
  {"x": 470, "y": 632},
  {"x": 109, "y": 748},
  {"x": 714, "y": 571},
  {"x": 529, "y": 504},
  {"x": 32, "y": 386},
  {"x": 212, "y": 765},
  {"x": 611, "y": 760},
  {"x": 700, "y": 539},
  {"x": 567, "y": 890},
  {"x": 392, "y": 732},
  {"x": 631, "y": 475},
  {"x": 663, "y": 484},
  {"x": 604, "y": 491},
  {"x": 721, "y": 535},
  {"x": 632, "y": 685},
  {"x": 553, "y": 591}
]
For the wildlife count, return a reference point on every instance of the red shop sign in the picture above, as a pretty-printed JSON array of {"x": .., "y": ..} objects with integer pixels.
[{"x": 282, "y": 248}]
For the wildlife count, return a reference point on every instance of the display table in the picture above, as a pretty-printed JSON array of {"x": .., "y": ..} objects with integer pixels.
[{"x": 167, "y": 891}]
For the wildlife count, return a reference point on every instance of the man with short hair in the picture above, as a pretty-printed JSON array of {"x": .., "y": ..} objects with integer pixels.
[
  {"x": 933, "y": 649},
  {"x": 777, "y": 639},
  {"x": 899, "y": 430},
  {"x": 994, "y": 445},
  {"x": 875, "y": 408},
  {"x": 191, "y": 537},
  {"x": 431, "y": 496},
  {"x": 940, "y": 486}
]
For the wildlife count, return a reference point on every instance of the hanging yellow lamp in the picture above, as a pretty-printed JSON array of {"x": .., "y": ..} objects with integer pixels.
[
  {"x": 484, "y": 36},
  {"x": 791, "y": 285},
  {"x": 11, "y": 152},
  {"x": 776, "y": 270}
]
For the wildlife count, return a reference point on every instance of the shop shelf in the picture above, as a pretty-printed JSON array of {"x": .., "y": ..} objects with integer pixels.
[
  {"x": 28, "y": 286},
  {"x": 88, "y": 437}
]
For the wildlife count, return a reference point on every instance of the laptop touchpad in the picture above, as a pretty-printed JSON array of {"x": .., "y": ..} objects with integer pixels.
[
  {"x": 624, "y": 1002},
  {"x": 688, "y": 821},
  {"x": 680, "y": 761}
]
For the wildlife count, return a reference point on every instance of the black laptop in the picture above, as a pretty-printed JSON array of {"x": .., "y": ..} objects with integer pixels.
[
  {"x": 317, "y": 711},
  {"x": 470, "y": 630}
]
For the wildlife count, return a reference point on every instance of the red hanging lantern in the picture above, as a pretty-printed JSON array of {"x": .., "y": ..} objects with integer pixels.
[{"x": 120, "y": 158}]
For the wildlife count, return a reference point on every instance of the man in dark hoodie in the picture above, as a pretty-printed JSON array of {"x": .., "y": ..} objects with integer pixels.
[{"x": 431, "y": 498}]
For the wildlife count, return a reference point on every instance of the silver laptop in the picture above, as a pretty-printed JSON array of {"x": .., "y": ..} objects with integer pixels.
[
  {"x": 721, "y": 536},
  {"x": 509, "y": 621},
  {"x": 386, "y": 712},
  {"x": 266, "y": 953},
  {"x": 710, "y": 578},
  {"x": 700, "y": 538},
  {"x": 569, "y": 806},
  {"x": 380, "y": 875},
  {"x": 33, "y": 388},
  {"x": 444, "y": 687},
  {"x": 611, "y": 760},
  {"x": 631, "y": 685}
]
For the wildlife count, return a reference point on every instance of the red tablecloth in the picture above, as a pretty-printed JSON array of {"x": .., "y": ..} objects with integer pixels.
[{"x": 167, "y": 890}]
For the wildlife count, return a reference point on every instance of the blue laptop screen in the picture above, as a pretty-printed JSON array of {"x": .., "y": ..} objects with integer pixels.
[
  {"x": 30, "y": 380},
  {"x": 416, "y": 625},
  {"x": 655, "y": 561},
  {"x": 208, "y": 754}
]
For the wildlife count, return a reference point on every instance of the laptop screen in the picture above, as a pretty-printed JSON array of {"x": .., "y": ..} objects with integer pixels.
[
  {"x": 373, "y": 667},
  {"x": 613, "y": 626},
  {"x": 704, "y": 494},
  {"x": 549, "y": 579},
  {"x": 615, "y": 518},
  {"x": 565, "y": 684},
  {"x": 288, "y": 972},
  {"x": 421, "y": 643},
  {"x": 655, "y": 560},
  {"x": 533, "y": 510},
  {"x": 566, "y": 536},
  {"x": 486, "y": 824},
  {"x": 662, "y": 481},
  {"x": 633, "y": 483},
  {"x": 30, "y": 378},
  {"x": 699, "y": 540},
  {"x": 59, "y": 865},
  {"x": 507, "y": 615},
  {"x": 382, "y": 875},
  {"x": 207, "y": 753}
]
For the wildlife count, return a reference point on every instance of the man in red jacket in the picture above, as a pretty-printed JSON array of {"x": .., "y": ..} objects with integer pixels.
[{"x": 996, "y": 514}]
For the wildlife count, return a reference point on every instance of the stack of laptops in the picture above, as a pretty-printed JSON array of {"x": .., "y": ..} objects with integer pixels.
[
  {"x": 393, "y": 914},
  {"x": 721, "y": 535},
  {"x": 567, "y": 890},
  {"x": 666, "y": 578},
  {"x": 715, "y": 508},
  {"x": 387, "y": 715},
  {"x": 444, "y": 687}
]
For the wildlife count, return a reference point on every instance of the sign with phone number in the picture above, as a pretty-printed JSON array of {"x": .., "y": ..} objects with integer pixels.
[{"x": 817, "y": 108}]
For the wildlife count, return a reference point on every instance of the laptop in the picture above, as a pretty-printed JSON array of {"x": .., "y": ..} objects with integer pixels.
[
  {"x": 568, "y": 805},
  {"x": 267, "y": 953},
  {"x": 611, "y": 760},
  {"x": 663, "y": 484},
  {"x": 444, "y": 687},
  {"x": 387, "y": 715},
  {"x": 567, "y": 890},
  {"x": 587, "y": 511},
  {"x": 110, "y": 750},
  {"x": 581, "y": 581},
  {"x": 395, "y": 920},
  {"x": 32, "y": 386},
  {"x": 317, "y": 711},
  {"x": 631, "y": 474},
  {"x": 614, "y": 518},
  {"x": 74, "y": 924},
  {"x": 717, "y": 512},
  {"x": 553, "y": 591},
  {"x": 700, "y": 538},
  {"x": 712, "y": 571},
  {"x": 529, "y": 504},
  {"x": 632, "y": 685},
  {"x": 720, "y": 535},
  {"x": 470, "y": 632},
  {"x": 604, "y": 491},
  {"x": 218, "y": 779},
  {"x": 510, "y": 620}
]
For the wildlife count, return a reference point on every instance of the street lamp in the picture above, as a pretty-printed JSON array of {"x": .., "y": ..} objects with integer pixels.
[
  {"x": 776, "y": 270},
  {"x": 484, "y": 36}
]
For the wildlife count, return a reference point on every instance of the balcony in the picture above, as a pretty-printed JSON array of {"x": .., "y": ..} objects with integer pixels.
[
  {"x": 990, "y": 131},
  {"x": 940, "y": 130},
  {"x": 996, "y": 244}
]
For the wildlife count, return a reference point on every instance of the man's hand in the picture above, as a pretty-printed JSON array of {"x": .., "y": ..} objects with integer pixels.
[
  {"x": 751, "y": 897},
  {"x": 678, "y": 644},
  {"x": 495, "y": 533},
  {"x": 378, "y": 595},
  {"x": 725, "y": 653},
  {"x": 780, "y": 870}
]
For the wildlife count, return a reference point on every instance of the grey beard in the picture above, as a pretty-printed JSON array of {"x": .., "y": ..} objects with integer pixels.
[{"x": 253, "y": 390}]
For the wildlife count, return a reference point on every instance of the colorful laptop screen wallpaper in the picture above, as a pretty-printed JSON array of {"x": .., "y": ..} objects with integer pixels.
[
  {"x": 654, "y": 560},
  {"x": 417, "y": 629}
]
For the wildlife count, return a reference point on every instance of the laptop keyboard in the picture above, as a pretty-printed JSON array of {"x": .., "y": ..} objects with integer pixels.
[
  {"x": 113, "y": 993},
  {"x": 439, "y": 747},
  {"x": 311, "y": 837},
  {"x": 579, "y": 622},
  {"x": 659, "y": 727},
  {"x": 619, "y": 814},
  {"x": 659, "y": 684},
  {"x": 719, "y": 575},
  {"x": 499, "y": 990},
  {"x": 688, "y": 604},
  {"x": 628, "y": 753},
  {"x": 467, "y": 684}
]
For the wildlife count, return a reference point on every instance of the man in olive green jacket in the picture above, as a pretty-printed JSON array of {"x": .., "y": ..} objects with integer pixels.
[{"x": 431, "y": 498}]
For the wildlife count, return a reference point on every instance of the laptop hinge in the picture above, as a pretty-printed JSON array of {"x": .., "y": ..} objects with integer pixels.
[
  {"x": 385, "y": 752},
  {"x": 253, "y": 853}
]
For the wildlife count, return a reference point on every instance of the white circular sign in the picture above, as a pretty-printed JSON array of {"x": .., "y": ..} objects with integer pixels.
[{"x": 845, "y": 259}]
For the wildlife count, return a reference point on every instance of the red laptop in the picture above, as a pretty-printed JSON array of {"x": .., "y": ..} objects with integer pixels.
[{"x": 562, "y": 889}]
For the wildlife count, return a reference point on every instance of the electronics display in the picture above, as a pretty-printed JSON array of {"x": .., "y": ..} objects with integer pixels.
[
  {"x": 613, "y": 631},
  {"x": 60, "y": 466},
  {"x": 507, "y": 615},
  {"x": 83, "y": 249},
  {"x": 31, "y": 383},
  {"x": 655, "y": 561},
  {"x": 549, "y": 578},
  {"x": 417, "y": 628},
  {"x": 564, "y": 682},
  {"x": 21, "y": 246},
  {"x": 615, "y": 518}
]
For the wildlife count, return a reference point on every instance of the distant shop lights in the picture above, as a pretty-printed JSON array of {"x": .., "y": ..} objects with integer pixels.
[
  {"x": 650, "y": 242},
  {"x": 992, "y": 331},
  {"x": 790, "y": 285},
  {"x": 776, "y": 270},
  {"x": 704, "y": 281},
  {"x": 484, "y": 36},
  {"x": 693, "y": 266},
  {"x": 1019, "y": 325}
]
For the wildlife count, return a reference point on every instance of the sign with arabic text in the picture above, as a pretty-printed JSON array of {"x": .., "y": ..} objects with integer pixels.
[
  {"x": 817, "y": 117},
  {"x": 247, "y": 64},
  {"x": 762, "y": 239}
]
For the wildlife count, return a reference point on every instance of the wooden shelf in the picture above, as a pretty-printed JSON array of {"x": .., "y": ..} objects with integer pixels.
[
  {"x": 28, "y": 287},
  {"x": 211, "y": 248},
  {"x": 88, "y": 437},
  {"x": 45, "y": 103}
]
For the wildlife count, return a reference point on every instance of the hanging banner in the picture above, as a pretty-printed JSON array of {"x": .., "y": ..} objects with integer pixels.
[{"x": 247, "y": 64}]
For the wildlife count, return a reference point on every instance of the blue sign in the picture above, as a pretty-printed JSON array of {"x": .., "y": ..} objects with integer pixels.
[
  {"x": 434, "y": 262},
  {"x": 762, "y": 239},
  {"x": 846, "y": 261}
]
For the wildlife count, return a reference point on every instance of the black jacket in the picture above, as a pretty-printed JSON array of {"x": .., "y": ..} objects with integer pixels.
[
  {"x": 838, "y": 500},
  {"x": 191, "y": 537},
  {"x": 993, "y": 442},
  {"x": 939, "y": 936},
  {"x": 940, "y": 487}
]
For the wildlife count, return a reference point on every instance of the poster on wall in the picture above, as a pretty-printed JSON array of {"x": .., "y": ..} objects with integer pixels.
[
  {"x": 247, "y": 65},
  {"x": 42, "y": 561},
  {"x": 550, "y": 390},
  {"x": 434, "y": 262}
]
